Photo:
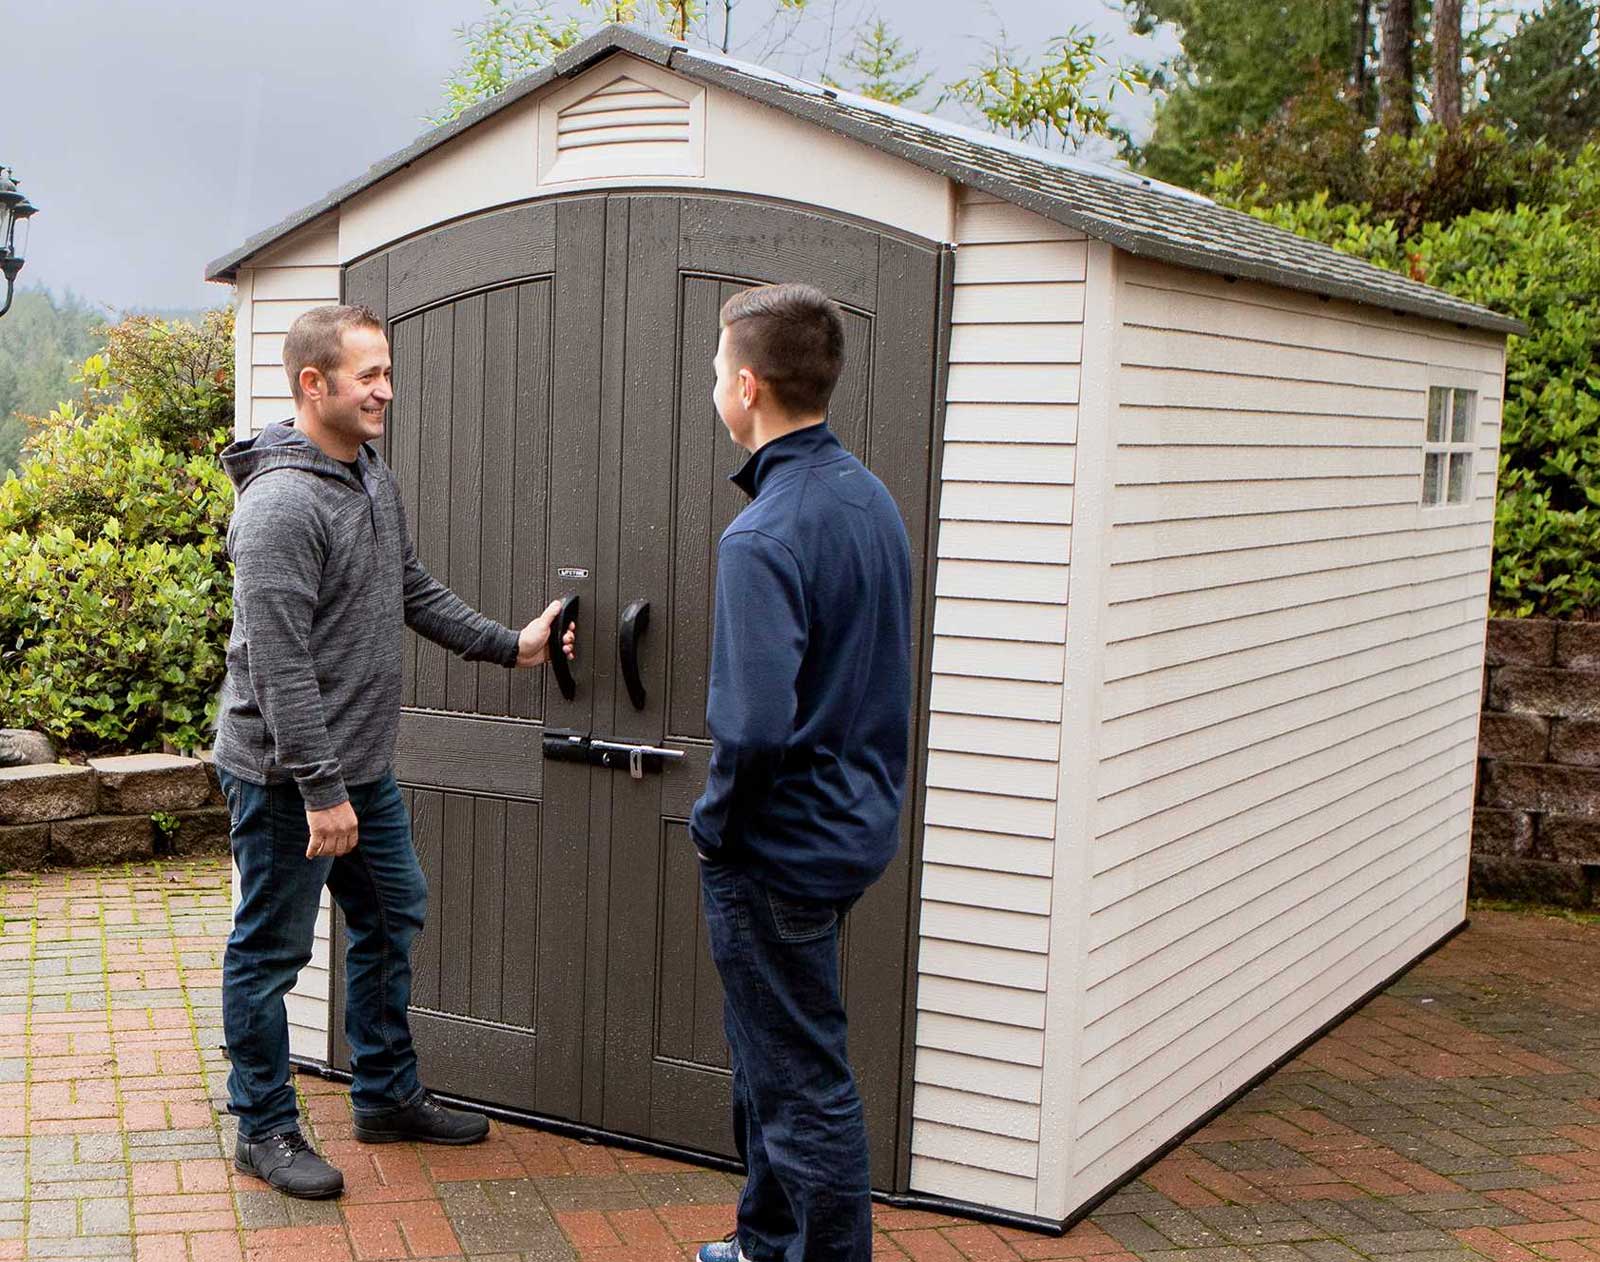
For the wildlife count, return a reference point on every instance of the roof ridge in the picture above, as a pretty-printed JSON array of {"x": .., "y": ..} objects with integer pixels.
[{"x": 1128, "y": 210}]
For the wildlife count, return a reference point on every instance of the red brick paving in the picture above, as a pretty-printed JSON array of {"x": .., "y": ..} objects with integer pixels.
[{"x": 1455, "y": 1116}]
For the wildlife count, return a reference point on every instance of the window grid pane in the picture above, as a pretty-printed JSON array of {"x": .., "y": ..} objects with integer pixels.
[
  {"x": 1461, "y": 416},
  {"x": 1432, "y": 477},
  {"x": 1438, "y": 398},
  {"x": 1460, "y": 477}
]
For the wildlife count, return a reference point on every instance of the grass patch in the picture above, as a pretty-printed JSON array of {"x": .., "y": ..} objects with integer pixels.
[{"x": 1547, "y": 910}]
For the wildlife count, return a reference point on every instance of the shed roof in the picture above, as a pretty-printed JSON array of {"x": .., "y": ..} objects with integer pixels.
[{"x": 1137, "y": 214}]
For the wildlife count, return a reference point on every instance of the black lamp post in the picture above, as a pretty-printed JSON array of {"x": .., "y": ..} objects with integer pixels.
[{"x": 14, "y": 209}]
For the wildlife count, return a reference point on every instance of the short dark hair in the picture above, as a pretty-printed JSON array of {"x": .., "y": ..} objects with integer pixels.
[
  {"x": 791, "y": 337},
  {"x": 316, "y": 340}
]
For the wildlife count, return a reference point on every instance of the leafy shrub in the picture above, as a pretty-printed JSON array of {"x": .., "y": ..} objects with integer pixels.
[
  {"x": 87, "y": 470},
  {"x": 1316, "y": 145},
  {"x": 1541, "y": 264},
  {"x": 110, "y": 646},
  {"x": 178, "y": 376},
  {"x": 115, "y": 592}
]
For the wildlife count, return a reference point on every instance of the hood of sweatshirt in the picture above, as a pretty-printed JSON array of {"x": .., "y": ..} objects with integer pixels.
[{"x": 281, "y": 446}]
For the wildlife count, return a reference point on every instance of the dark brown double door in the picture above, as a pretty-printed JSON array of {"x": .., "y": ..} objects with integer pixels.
[{"x": 553, "y": 434}]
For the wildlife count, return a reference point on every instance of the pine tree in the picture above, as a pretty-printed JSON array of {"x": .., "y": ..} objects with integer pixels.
[
  {"x": 1544, "y": 80},
  {"x": 1397, "y": 109},
  {"x": 881, "y": 67}
]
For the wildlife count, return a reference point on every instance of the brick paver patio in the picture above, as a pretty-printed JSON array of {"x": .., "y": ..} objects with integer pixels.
[{"x": 1457, "y": 1115}]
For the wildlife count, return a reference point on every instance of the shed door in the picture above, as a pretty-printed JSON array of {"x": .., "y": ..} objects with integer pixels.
[
  {"x": 492, "y": 437},
  {"x": 554, "y": 434},
  {"x": 665, "y": 1057}
]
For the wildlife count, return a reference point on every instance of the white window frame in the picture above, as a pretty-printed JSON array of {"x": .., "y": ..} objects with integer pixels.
[{"x": 1446, "y": 445}]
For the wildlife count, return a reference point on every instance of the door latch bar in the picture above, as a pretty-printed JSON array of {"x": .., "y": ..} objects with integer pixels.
[{"x": 638, "y": 759}]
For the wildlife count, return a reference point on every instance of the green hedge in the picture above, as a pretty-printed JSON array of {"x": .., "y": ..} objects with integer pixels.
[
  {"x": 1541, "y": 264},
  {"x": 115, "y": 591}
]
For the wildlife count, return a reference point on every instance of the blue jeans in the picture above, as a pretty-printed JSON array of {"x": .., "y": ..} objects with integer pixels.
[
  {"x": 384, "y": 897},
  {"x": 797, "y": 1116}
]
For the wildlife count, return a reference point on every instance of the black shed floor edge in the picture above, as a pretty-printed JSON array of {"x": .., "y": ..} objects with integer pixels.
[{"x": 920, "y": 1200}]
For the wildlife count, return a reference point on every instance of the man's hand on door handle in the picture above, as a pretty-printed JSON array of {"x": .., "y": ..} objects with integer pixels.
[{"x": 533, "y": 645}]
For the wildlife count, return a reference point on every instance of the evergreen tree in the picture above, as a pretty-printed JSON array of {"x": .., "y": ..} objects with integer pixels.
[
  {"x": 1447, "y": 63},
  {"x": 1062, "y": 103},
  {"x": 1240, "y": 61},
  {"x": 1397, "y": 100},
  {"x": 43, "y": 339},
  {"x": 1544, "y": 80},
  {"x": 881, "y": 66}
]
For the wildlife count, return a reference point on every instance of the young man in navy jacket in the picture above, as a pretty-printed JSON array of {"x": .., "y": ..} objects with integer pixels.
[{"x": 809, "y": 708}]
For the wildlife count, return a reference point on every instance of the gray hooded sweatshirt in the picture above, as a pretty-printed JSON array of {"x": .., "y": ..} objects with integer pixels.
[{"x": 325, "y": 583}]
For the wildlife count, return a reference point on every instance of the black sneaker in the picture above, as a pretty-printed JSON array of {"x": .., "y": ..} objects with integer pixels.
[
  {"x": 425, "y": 1121},
  {"x": 288, "y": 1163}
]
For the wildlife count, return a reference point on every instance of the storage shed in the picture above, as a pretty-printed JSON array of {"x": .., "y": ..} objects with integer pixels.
[{"x": 1202, "y": 514}]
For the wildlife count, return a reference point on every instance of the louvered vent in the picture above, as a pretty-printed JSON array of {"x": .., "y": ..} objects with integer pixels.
[{"x": 623, "y": 112}]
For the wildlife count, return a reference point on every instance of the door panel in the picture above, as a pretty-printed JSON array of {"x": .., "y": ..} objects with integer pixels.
[
  {"x": 473, "y": 850},
  {"x": 688, "y": 998},
  {"x": 482, "y": 401},
  {"x": 553, "y": 434},
  {"x": 666, "y": 1062}
]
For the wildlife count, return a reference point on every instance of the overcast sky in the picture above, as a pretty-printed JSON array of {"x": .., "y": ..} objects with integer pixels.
[{"x": 155, "y": 135}]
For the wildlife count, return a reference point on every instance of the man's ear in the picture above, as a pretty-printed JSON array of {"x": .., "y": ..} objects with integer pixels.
[
  {"x": 312, "y": 383},
  {"x": 749, "y": 388}
]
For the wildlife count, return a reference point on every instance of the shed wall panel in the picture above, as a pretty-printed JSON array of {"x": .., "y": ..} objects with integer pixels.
[
  {"x": 993, "y": 773},
  {"x": 298, "y": 274},
  {"x": 1284, "y": 761},
  {"x": 733, "y": 145}
]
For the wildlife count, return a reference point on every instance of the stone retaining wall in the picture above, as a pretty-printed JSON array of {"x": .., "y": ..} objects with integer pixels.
[
  {"x": 1536, "y": 828},
  {"x": 113, "y": 810}
]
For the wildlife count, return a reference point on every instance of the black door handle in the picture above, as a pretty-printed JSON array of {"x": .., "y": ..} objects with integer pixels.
[
  {"x": 635, "y": 622},
  {"x": 559, "y": 665}
]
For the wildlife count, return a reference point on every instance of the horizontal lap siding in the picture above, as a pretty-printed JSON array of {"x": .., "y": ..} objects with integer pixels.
[
  {"x": 1000, "y": 618},
  {"x": 1293, "y": 659},
  {"x": 294, "y": 277},
  {"x": 299, "y": 274}
]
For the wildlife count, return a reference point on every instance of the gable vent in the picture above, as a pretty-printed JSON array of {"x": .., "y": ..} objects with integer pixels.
[{"x": 623, "y": 112}]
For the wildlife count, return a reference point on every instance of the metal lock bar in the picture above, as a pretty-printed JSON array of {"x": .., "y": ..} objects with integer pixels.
[
  {"x": 641, "y": 758},
  {"x": 573, "y": 747}
]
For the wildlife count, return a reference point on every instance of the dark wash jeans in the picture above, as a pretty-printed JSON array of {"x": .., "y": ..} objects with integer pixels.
[
  {"x": 797, "y": 1117},
  {"x": 384, "y": 897}
]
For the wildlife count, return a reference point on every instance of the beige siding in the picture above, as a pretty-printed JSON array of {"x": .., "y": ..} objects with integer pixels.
[
  {"x": 1282, "y": 762},
  {"x": 297, "y": 274},
  {"x": 628, "y": 118},
  {"x": 716, "y": 141},
  {"x": 1000, "y": 616}
]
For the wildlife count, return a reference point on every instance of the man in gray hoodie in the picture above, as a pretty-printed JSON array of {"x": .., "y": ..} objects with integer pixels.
[{"x": 325, "y": 584}]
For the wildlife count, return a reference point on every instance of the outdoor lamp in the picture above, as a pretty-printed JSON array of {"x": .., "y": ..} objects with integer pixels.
[{"x": 14, "y": 209}]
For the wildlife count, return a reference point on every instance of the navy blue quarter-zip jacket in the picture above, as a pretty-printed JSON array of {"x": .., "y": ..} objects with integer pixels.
[{"x": 809, "y": 705}]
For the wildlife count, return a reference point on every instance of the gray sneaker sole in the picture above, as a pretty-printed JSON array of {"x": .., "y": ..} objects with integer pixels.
[{"x": 367, "y": 1136}]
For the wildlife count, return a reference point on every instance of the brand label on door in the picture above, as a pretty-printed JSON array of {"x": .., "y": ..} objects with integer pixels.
[{"x": 572, "y": 571}]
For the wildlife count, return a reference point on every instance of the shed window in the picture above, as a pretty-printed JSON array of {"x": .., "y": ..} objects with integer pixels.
[{"x": 1448, "y": 446}]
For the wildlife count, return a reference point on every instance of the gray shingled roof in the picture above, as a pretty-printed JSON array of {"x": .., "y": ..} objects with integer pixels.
[{"x": 1136, "y": 214}]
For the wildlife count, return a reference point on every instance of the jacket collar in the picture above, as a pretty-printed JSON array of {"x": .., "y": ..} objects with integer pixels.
[{"x": 811, "y": 445}]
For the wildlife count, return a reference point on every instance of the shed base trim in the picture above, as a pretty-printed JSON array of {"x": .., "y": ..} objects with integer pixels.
[
  {"x": 1222, "y": 1106},
  {"x": 919, "y": 1200},
  {"x": 689, "y": 1156}
]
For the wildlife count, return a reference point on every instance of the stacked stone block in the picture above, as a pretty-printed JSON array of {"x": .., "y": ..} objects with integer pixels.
[
  {"x": 112, "y": 811},
  {"x": 1536, "y": 829}
]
